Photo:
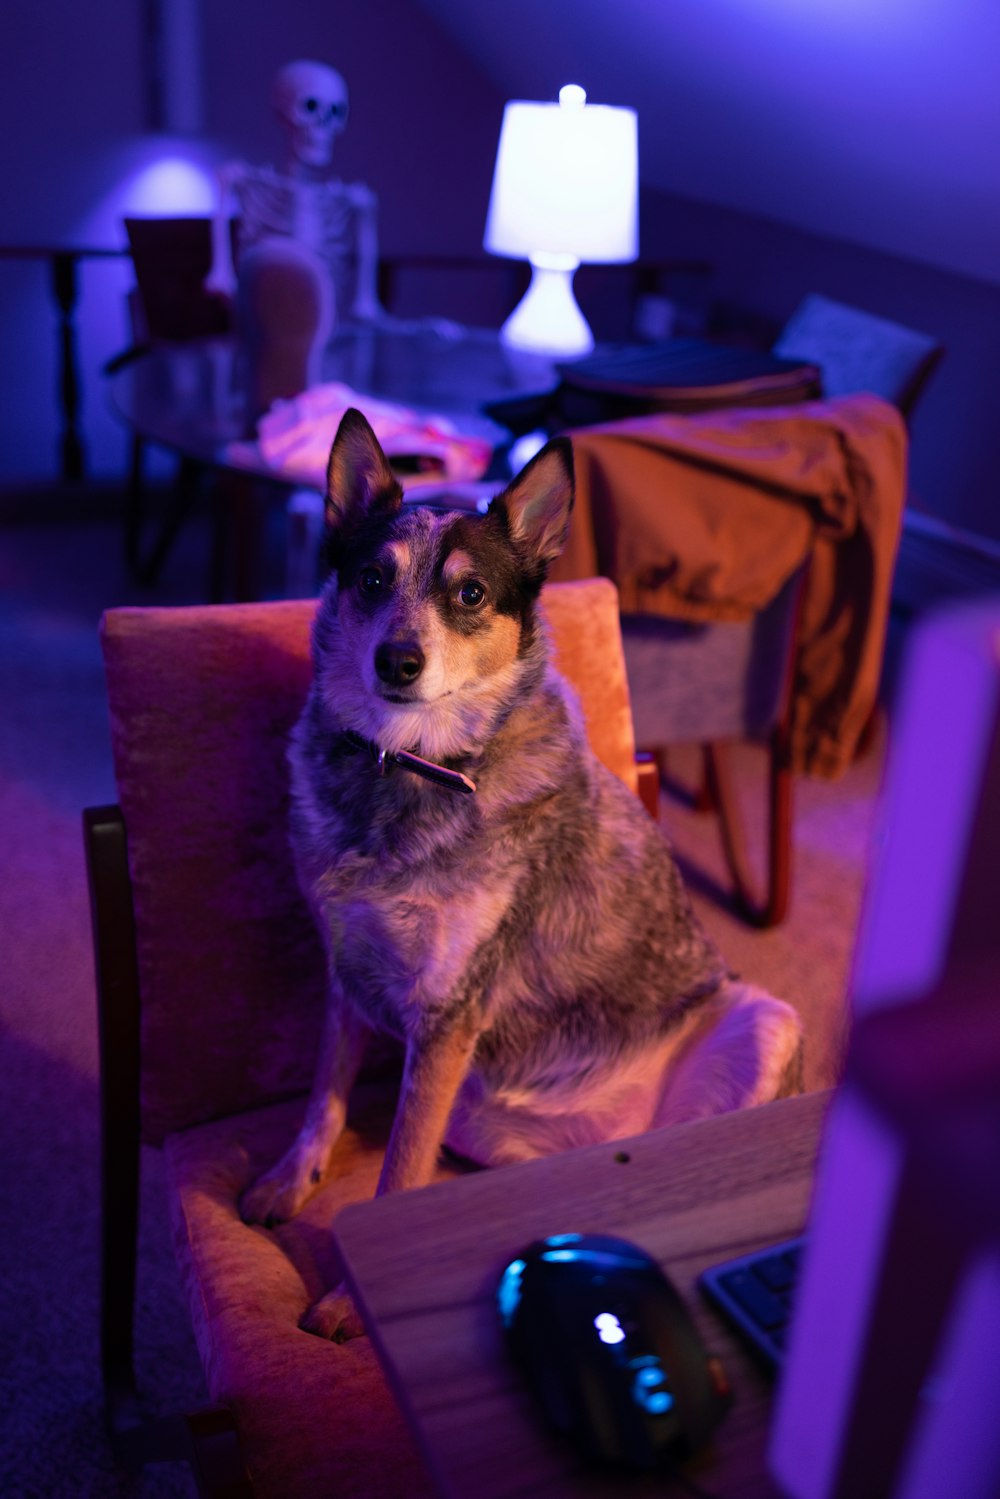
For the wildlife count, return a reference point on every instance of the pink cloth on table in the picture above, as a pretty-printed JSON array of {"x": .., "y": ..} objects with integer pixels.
[{"x": 294, "y": 438}]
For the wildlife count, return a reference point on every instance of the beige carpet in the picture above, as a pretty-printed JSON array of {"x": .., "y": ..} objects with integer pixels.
[{"x": 807, "y": 958}]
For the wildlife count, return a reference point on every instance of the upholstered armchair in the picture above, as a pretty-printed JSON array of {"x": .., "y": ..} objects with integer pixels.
[{"x": 211, "y": 987}]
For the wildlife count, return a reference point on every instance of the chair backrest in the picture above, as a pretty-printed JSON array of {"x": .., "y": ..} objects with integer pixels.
[
  {"x": 172, "y": 257},
  {"x": 857, "y": 351},
  {"x": 231, "y": 972}
]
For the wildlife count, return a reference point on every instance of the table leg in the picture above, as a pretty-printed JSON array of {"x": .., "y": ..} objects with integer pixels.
[
  {"x": 237, "y": 548},
  {"x": 65, "y": 290}
]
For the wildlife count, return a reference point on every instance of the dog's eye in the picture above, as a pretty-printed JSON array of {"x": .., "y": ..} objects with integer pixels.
[
  {"x": 471, "y": 594},
  {"x": 370, "y": 580}
]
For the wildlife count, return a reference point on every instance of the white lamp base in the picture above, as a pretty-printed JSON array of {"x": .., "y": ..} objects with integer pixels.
[{"x": 547, "y": 320}]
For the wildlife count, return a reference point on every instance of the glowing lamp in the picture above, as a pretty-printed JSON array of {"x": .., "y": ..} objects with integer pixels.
[{"x": 565, "y": 190}]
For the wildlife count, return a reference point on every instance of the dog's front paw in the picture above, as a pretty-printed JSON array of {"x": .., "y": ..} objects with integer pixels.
[
  {"x": 335, "y": 1317},
  {"x": 280, "y": 1193}
]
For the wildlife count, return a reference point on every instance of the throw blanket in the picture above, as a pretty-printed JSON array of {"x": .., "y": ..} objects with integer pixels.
[
  {"x": 294, "y": 439},
  {"x": 705, "y": 517}
]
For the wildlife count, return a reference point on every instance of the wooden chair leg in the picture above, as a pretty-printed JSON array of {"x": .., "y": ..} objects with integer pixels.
[
  {"x": 146, "y": 569},
  {"x": 118, "y": 1022},
  {"x": 133, "y": 506},
  {"x": 649, "y": 783},
  {"x": 215, "y": 1457},
  {"x": 182, "y": 498},
  {"x": 704, "y": 799},
  {"x": 698, "y": 797},
  {"x": 768, "y": 910},
  {"x": 206, "y": 1440}
]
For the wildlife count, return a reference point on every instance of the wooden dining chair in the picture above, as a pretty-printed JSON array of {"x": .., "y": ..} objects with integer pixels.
[
  {"x": 712, "y": 685},
  {"x": 211, "y": 986}
]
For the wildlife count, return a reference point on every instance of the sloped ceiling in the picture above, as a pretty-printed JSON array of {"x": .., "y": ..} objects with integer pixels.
[{"x": 875, "y": 121}]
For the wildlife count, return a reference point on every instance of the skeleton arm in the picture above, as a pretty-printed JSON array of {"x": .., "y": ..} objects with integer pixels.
[{"x": 366, "y": 302}]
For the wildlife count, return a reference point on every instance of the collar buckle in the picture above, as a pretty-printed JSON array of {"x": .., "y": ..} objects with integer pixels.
[{"x": 428, "y": 770}]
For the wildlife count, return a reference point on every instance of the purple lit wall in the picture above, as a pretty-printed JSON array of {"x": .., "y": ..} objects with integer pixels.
[
  {"x": 850, "y": 147},
  {"x": 874, "y": 121}
]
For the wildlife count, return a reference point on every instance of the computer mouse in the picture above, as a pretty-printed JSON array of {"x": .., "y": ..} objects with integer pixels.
[{"x": 609, "y": 1350}]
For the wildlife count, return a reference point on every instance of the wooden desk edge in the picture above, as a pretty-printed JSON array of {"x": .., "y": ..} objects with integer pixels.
[{"x": 809, "y": 1108}]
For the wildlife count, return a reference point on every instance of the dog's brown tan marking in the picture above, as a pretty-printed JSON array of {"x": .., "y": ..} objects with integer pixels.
[
  {"x": 532, "y": 946},
  {"x": 497, "y": 646},
  {"x": 458, "y": 565},
  {"x": 399, "y": 556}
]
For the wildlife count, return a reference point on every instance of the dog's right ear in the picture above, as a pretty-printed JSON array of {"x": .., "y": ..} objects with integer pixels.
[{"x": 358, "y": 477}]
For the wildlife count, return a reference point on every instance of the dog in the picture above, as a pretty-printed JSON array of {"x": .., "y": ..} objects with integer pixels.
[{"x": 486, "y": 890}]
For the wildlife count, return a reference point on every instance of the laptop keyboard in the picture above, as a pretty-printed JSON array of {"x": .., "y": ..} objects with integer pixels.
[{"x": 756, "y": 1293}]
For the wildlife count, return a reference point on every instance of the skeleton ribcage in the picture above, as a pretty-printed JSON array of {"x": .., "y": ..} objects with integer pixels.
[{"x": 318, "y": 215}]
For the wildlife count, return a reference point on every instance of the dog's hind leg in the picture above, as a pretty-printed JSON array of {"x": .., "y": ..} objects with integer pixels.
[
  {"x": 282, "y": 1191},
  {"x": 746, "y": 1049}
]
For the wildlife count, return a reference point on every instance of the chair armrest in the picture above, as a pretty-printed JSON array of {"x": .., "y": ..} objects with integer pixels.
[{"x": 116, "y": 972}]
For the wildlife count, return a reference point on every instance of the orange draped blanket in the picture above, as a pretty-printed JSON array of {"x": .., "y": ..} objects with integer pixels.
[{"x": 705, "y": 517}]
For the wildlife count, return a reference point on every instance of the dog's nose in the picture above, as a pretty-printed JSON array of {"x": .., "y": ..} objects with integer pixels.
[{"x": 397, "y": 663}]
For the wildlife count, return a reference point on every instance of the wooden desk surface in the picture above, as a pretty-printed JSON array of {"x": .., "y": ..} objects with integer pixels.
[{"x": 424, "y": 1267}]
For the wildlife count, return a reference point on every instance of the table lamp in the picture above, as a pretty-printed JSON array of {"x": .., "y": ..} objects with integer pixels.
[{"x": 565, "y": 190}]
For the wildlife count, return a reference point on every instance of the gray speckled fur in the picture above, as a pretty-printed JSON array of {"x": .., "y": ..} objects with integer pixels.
[
  {"x": 587, "y": 947},
  {"x": 595, "y": 947},
  {"x": 532, "y": 945}
]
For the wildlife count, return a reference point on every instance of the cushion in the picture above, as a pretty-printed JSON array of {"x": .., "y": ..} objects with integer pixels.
[
  {"x": 858, "y": 351},
  {"x": 231, "y": 970},
  {"x": 314, "y": 1417}
]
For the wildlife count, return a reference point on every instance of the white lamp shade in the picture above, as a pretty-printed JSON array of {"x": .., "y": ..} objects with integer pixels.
[{"x": 565, "y": 183}]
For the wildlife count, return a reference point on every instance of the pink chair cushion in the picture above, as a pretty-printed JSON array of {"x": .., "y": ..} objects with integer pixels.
[
  {"x": 314, "y": 1417},
  {"x": 230, "y": 968}
]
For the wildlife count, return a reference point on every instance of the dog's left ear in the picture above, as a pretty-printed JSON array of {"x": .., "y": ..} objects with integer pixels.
[
  {"x": 537, "y": 504},
  {"x": 358, "y": 476}
]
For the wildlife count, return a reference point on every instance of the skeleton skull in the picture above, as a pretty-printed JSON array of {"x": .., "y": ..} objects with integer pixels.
[{"x": 310, "y": 100}]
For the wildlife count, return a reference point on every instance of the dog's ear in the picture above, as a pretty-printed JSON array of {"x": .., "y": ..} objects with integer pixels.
[
  {"x": 358, "y": 476},
  {"x": 537, "y": 504}
]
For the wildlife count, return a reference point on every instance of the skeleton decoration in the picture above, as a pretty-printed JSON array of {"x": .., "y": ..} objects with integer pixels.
[{"x": 334, "y": 220}]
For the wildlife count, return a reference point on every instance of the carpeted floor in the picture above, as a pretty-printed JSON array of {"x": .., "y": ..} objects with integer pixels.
[
  {"x": 55, "y": 759},
  {"x": 55, "y": 578}
]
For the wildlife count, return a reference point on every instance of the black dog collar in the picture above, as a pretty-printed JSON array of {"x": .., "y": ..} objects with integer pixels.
[{"x": 451, "y": 780}]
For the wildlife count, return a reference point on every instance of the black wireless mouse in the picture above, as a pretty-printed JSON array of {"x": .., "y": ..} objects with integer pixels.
[{"x": 609, "y": 1350}]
